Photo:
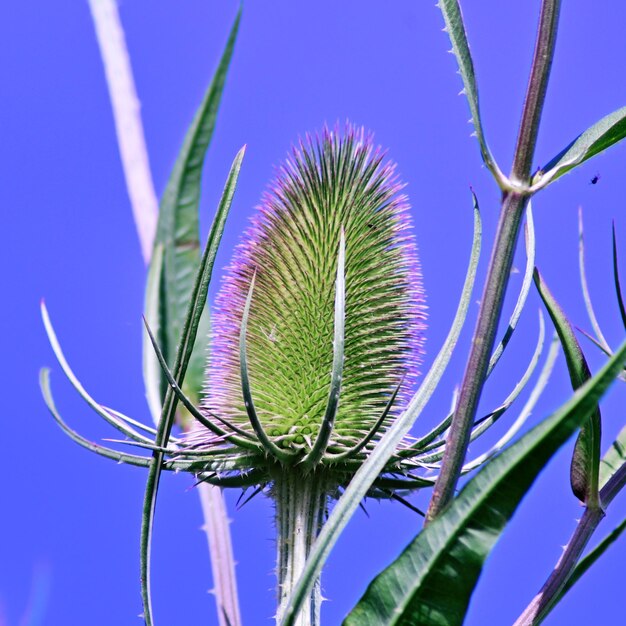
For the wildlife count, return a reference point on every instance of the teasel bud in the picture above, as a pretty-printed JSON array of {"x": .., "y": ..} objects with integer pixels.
[{"x": 317, "y": 336}]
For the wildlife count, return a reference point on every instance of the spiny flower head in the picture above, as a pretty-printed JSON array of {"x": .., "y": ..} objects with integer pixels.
[{"x": 330, "y": 184}]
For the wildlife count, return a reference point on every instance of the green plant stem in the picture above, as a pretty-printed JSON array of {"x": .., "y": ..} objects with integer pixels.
[
  {"x": 514, "y": 202},
  {"x": 550, "y": 593},
  {"x": 301, "y": 502}
]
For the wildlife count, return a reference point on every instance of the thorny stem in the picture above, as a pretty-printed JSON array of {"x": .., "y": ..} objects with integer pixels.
[
  {"x": 549, "y": 594},
  {"x": 513, "y": 205},
  {"x": 144, "y": 203},
  {"x": 301, "y": 503}
]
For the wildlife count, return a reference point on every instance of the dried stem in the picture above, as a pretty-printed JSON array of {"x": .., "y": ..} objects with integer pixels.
[
  {"x": 136, "y": 166},
  {"x": 513, "y": 205}
]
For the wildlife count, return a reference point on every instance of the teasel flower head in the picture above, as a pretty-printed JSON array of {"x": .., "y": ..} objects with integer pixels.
[{"x": 333, "y": 221}]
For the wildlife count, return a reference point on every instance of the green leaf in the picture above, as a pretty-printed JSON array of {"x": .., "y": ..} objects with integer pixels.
[
  {"x": 431, "y": 583},
  {"x": 370, "y": 470},
  {"x": 614, "y": 458},
  {"x": 586, "y": 562},
  {"x": 195, "y": 307},
  {"x": 178, "y": 234},
  {"x": 602, "y": 135},
  {"x": 131, "y": 459},
  {"x": 618, "y": 287},
  {"x": 460, "y": 48},
  {"x": 585, "y": 465}
]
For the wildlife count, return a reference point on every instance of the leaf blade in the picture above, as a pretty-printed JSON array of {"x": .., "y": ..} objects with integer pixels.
[
  {"x": 430, "y": 584},
  {"x": 460, "y": 48},
  {"x": 185, "y": 348},
  {"x": 585, "y": 465},
  {"x": 602, "y": 135},
  {"x": 178, "y": 235}
]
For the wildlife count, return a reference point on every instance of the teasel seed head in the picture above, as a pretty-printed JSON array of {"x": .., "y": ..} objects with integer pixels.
[{"x": 335, "y": 190}]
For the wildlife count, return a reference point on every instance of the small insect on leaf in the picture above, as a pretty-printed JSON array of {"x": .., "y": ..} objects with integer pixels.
[{"x": 594, "y": 180}]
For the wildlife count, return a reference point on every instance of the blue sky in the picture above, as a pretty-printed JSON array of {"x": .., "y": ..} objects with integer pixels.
[{"x": 68, "y": 236}]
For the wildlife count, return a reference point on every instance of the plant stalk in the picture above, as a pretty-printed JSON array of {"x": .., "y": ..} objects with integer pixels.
[
  {"x": 301, "y": 503},
  {"x": 550, "y": 593},
  {"x": 514, "y": 203},
  {"x": 545, "y": 599}
]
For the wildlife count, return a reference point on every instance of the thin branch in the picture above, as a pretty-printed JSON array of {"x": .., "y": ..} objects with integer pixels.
[{"x": 513, "y": 206}]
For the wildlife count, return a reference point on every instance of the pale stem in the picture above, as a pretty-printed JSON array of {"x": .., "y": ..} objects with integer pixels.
[
  {"x": 143, "y": 198},
  {"x": 217, "y": 531},
  {"x": 513, "y": 206},
  {"x": 301, "y": 502},
  {"x": 128, "y": 126}
]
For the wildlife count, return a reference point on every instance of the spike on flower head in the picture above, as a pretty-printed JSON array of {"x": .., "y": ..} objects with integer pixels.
[{"x": 329, "y": 182}]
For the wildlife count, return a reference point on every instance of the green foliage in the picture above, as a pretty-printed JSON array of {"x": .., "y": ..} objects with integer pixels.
[
  {"x": 460, "y": 48},
  {"x": 195, "y": 308},
  {"x": 430, "y": 584},
  {"x": 586, "y": 458},
  {"x": 602, "y": 135},
  {"x": 176, "y": 255}
]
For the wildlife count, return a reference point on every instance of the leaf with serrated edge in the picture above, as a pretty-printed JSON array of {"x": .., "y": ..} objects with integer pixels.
[
  {"x": 602, "y": 135},
  {"x": 178, "y": 233},
  {"x": 456, "y": 30},
  {"x": 586, "y": 458},
  {"x": 192, "y": 320},
  {"x": 369, "y": 471},
  {"x": 431, "y": 583}
]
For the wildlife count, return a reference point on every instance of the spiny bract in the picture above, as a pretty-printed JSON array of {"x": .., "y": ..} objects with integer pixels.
[{"x": 328, "y": 184}]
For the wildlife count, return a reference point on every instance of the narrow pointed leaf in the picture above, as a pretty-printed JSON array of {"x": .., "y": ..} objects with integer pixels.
[
  {"x": 524, "y": 290},
  {"x": 527, "y": 409},
  {"x": 186, "y": 402},
  {"x": 481, "y": 426},
  {"x": 601, "y": 341},
  {"x": 585, "y": 465},
  {"x": 456, "y": 30},
  {"x": 351, "y": 452},
  {"x": 614, "y": 458},
  {"x": 431, "y": 583},
  {"x": 178, "y": 234},
  {"x": 602, "y": 135},
  {"x": 67, "y": 370},
  {"x": 618, "y": 287},
  {"x": 109, "y": 453},
  {"x": 370, "y": 470},
  {"x": 195, "y": 308},
  {"x": 424, "y": 441}
]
